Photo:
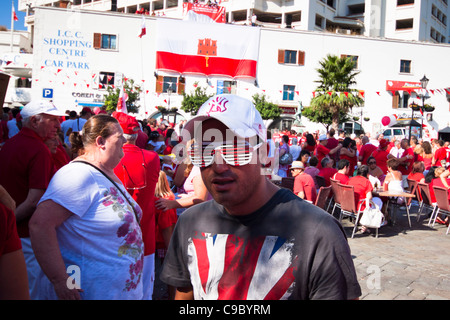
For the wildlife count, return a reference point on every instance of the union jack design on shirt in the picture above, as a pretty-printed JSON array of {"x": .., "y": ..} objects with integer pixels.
[{"x": 227, "y": 267}]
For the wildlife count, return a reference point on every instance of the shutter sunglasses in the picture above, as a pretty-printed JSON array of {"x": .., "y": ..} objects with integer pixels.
[{"x": 233, "y": 153}]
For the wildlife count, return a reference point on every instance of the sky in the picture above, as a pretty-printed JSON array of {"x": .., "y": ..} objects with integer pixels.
[{"x": 5, "y": 15}]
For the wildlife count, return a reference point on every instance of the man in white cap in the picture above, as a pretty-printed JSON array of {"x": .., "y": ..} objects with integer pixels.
[
  {"x": 26, "y": 167},
  {"x": 254, "y": 240}
]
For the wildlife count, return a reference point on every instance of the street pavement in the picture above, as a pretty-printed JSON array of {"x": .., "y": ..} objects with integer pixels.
[{"x": 402, "y": 263}]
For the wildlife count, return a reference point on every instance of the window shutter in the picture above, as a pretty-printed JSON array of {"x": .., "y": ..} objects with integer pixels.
[
  {"x": 280, "y": 56},
  {"x": 181, "y": 85},
  {"x": 97, "y": 40},
  {"x": 395, "y": 100},
  {"x": 301, "y": 58},
  {"x": 159, "y": 84}
]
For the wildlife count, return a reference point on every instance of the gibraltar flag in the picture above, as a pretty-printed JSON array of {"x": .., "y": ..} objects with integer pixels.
[
  {"x": 211, "y": 49},
  {"x": 143, "y": 28},
  {"x": 121, "y": 104},
  {"x": 14, "y": 13}
]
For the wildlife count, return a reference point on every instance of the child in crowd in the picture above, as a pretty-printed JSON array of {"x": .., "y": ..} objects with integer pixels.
[{"x": 164, "y": 221}]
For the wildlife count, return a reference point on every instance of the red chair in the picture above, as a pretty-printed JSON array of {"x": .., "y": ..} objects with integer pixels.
[
  {"x": 348, "y": 206},
  {"x": 322, "y": 197},
  {"x": 336, "y": 195},
  {"x": 443, "y": 204},
  {"x": 425, "y": 200}
]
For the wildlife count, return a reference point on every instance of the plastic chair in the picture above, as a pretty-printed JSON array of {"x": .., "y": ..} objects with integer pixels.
[
  {"x": 348, "y": 205},
  {"x": 320, "y": 181},
  {"x": 425, "y": 197},
  {"x": 288, "y": 183},
  {"x": 322, "y": 197},
  {"x": 412, "y": 188},
  {"x": 336, "y": 194},
  {"x": 443, "y": 204}
]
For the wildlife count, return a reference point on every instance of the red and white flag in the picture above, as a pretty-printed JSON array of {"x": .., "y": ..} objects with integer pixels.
[
  {"x": 14, "y": 13},
  {"x": 122, "y": 103},
  {"x": 212, "y": 49},
  {"x": 143, "y": 28}
]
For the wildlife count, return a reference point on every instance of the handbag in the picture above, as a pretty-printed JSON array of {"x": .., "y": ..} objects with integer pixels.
[
  {"x": 372, "y": 216},
  {"x": 286, "y": 158}
]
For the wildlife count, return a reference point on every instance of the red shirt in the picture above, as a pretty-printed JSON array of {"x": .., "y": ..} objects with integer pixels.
[
  {"x": 416, "y": 176},
  {"x": 361, "y": 186},
  {"x": 131, "y": 167},
  {"x": 366, "y": 151},
  {"x": 321, "y": 152},
  {"x": 381, "y": 156},
  {"x": 440, "y": 155},
  {"x": 304, "y": 182},
  {"x": 407, "y": 165},
  {"x": 25, "y": 163},
  {"x": 164, "y": 220},
  {"x": 327, "y": 173},
  {"x": 9, "y": 238},
  {"x": 438, "y": 183},
  {"x": 342, "y": 178}
]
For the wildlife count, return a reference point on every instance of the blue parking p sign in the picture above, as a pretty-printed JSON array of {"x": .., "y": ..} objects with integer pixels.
[{"x": 47, "y": 93}]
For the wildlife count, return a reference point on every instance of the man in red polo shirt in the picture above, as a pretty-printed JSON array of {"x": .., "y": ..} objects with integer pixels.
[
  {"x": 366, "y": 150},
  {"x": 304, "y": 185},
  {"x": 139, "y": 172},
  {"x": 26, "y": 167}
]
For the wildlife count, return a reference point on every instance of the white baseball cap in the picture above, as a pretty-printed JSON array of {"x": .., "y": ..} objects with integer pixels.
[
  {"x": 237, "y": 113},
  {"x": 323, "y": 137},
  {"x": 40, "y": 106}
]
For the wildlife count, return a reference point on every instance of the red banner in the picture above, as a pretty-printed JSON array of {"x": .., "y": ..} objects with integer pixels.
[
  {"x": 214, "y": 12},
  {"x": 392, "y": 85}
]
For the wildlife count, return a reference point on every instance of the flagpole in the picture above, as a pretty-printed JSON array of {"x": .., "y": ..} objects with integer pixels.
[
  {"x": 12, "y": 26},
  {"x": 142, "y": 73}
]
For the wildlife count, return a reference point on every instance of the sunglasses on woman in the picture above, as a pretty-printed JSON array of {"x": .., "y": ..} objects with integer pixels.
[{"x": 238, "y": 153}]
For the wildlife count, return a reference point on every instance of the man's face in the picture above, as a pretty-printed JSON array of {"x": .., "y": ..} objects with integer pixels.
[
  {"x": 295, "y": 172},
  {"x": 231, "y": 186},
  {"x": 46, "y": 126}
]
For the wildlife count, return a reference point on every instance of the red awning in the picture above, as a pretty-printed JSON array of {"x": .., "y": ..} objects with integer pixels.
[{"x": 392, "y": 85}]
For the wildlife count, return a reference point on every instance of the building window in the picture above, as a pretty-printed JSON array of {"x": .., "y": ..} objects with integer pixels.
[
  {"x": 166, "y": 84},
  {"x": 291, "y": 57},
  {"x": 23, "y": 82},
  {"x": 404, "y": 2},
  {"x": 106, "y": 78},
  {"x": 405, "y": 66},
  {"x": 319, "y": 21},
  {"x": 353, "y": 58},
  {"x": 288, "y": 92},
  {"x": 404, "y": 24},
  {"x": 226, "y": 86},
  {"x": 105, "y": 41},
  {"x": 400, "y": 101}
]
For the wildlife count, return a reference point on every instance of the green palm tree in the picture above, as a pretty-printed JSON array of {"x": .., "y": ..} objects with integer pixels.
[{"x": 334, "y": 95}]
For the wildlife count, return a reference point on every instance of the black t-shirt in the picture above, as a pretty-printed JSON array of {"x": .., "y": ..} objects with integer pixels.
[{"x": 287, "y": 249}]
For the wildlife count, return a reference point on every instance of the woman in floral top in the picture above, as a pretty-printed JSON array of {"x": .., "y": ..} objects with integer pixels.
[{"x": 85, "y": 232}]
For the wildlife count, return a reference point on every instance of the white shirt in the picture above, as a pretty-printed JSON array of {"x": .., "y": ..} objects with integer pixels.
[{"x": 102, "y": 237}]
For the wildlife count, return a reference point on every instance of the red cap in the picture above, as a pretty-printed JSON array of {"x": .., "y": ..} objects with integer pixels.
[
  {"x": 383, "y": 143},
  {"x": 86, "y": 110},
  {"x": 128, "y": 123}
]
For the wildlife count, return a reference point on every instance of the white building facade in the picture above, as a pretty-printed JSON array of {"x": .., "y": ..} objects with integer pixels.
[
  {"x": 73, "y": 70},
  {"x": 420, "y": 20}
]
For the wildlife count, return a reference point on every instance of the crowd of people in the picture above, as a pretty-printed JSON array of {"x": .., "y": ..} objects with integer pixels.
[
  {"x": 385, "y": 165},
  {"x": 91, "y": 204},
  {"x": 75, "y": 178}
]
